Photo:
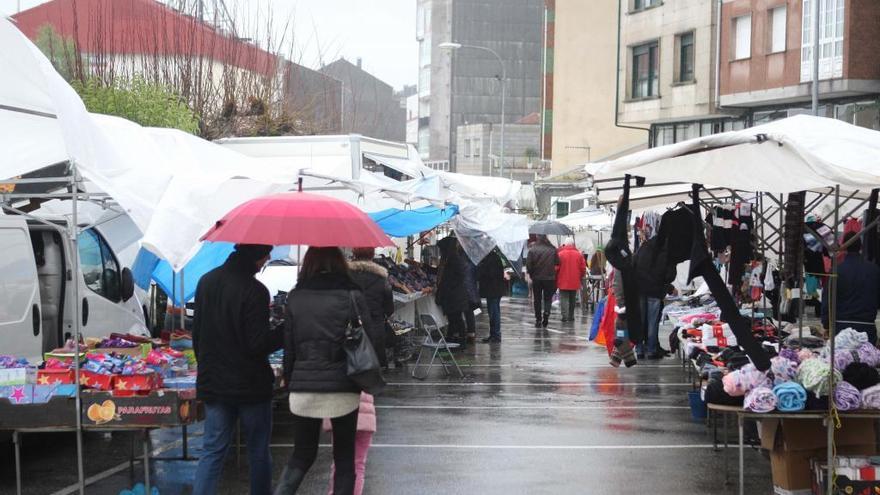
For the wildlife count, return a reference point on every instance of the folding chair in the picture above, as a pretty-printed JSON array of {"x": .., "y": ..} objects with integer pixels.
[{"x": 436, "y": 341}]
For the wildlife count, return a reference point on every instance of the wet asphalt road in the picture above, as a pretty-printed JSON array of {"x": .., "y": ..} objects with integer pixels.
[{"x": 540, "y": 413}]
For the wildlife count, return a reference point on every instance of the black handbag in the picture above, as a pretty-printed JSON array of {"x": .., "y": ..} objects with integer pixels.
[{"x": 362, "y": 363}]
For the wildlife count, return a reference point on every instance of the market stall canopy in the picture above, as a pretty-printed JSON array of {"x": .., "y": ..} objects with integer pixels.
[
  {"x": 590, "y": 219},
  {"x": 654, "y": 196},
  {"x": 794, "y": 154},
  {"x": 483, "y": 225},
  {"x": 403, "y": 223}
]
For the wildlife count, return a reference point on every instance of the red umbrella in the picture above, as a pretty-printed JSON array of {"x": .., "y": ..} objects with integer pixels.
[{"x": 298, "y": 219}]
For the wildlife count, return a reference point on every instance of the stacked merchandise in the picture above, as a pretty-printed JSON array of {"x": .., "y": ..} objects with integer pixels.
[
  {"x": 799, "y": 377},
  {"x": 121, "y": 365},
  {"x": 410, "y": 277},
  {"x": 853, "y": 474}
]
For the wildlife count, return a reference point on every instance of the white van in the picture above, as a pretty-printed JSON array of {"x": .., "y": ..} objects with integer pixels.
[{"x": 36, "y": 291}]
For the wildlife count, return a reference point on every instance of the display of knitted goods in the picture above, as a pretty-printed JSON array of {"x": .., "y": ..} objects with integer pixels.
[
  {"x": 866, "y": 353},
  {"x": 790, "y": 397},
  {"x": 871, "y": 397},
  {"x": 805, "y": 355},
  {"x": 739, "y": 383},
  {"x": 718, "y": 335},
  {"x": 847, "y": 397},
  {"x": 861, "y": 375},
  {"x": 813, "y": 374},
  {"x": 784, "y": 370},
  {"x": 849, "y": 339},
  {"x": 760, "y": 400},
  {"x": 790, "y": 354}
]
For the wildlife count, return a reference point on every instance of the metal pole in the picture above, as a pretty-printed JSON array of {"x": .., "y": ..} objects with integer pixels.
[
  {"x": 182, "y": 302},
  {"x": 832, "y": 327},
  {"x": 73, "y": 233},
  {"x": 816, "y": 56},
  {"x": 503, "y": 110}
]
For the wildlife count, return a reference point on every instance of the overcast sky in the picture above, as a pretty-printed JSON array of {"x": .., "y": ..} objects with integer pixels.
[{"x": 381, "y": 32}]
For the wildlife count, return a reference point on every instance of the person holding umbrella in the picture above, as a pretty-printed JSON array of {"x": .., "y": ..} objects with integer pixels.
[
  {"x": 541, "y": 265},
  {"x": 232, "y": 341}
]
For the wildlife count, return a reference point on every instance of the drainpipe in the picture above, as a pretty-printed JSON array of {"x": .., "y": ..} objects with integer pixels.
[
  {"x": 718, "y": 57},
  {"x": 617, "y": 83}
]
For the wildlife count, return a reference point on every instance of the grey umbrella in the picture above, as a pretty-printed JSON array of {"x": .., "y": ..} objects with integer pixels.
[{"x": 549, "y": 227}]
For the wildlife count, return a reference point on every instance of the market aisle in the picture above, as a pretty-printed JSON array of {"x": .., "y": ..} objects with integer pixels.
[{"x": 541, "y": 413}]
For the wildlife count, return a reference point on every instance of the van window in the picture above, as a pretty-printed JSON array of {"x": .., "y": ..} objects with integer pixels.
[
  {"x": 18, "y": 280},
  {"x": 99, "y": 267}
]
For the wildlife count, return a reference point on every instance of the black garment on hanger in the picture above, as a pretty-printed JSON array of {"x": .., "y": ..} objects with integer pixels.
[
  {"x": 794, "y": 238},
  {"x": 620, "y": 256},
  {"x": 681, "y": 233}
]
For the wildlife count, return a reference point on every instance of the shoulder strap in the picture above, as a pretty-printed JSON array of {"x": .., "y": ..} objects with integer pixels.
[{"x": 354, "y": 307}]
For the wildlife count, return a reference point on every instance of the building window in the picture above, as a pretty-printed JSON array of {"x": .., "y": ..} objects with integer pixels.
[
  {"x": 645, "y": 70},
  {"x": 742, "y": 37},
  {"x": 476, "y": 146},
  {"x": 467, "y": 148},
  {"x": 685, "y": 43},
  {"x": 777, "y": 25},
  {"x": 644, "y": 4},
  {"x": 831, "y": 23}
]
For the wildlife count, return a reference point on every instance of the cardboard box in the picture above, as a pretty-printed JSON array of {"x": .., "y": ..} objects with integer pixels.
[
  {"x": 17, "y": 376},
  {"x": 793, "y": 443},
  {"x": 139, "y": 351},
  {"x": 98, "y": 381},
  {"x": 54, "y": 376}
]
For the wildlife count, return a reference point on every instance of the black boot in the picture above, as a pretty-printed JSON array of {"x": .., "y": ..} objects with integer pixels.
[
  {"x": 290, "y": 480},
  {"x": 546, "y": 320}
]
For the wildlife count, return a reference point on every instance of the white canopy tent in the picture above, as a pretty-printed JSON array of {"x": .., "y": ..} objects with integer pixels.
[{"x": 795, "y": 154}]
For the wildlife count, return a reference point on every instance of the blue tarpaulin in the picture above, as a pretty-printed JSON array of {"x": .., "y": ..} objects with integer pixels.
[
  {"x": 147, "y": 267},
  {"x": 402, "y": 223}
]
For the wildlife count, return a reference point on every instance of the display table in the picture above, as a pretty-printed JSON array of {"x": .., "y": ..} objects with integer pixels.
[
  {"x": 408, "y": 307},
  {"x": 104, "y": 412},
  {"x": 741, "y": 414}
]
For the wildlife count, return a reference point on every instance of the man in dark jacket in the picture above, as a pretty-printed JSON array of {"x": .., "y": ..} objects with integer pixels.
[
  {"x": 492, "y": 286},
  {"x": 654, "y": 276},
  {"x": 858, "y": 292},
  {"x": 232, "y": 340},
  {"x": 373, "y": 281},
  {"x": 541, "y": 264}
]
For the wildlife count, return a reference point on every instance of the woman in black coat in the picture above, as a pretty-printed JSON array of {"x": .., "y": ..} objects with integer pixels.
[
  {"x": 492, "y": 287},
  {"x": 452, "y": 297},
  {"x": 373, "y": 281},
  {"x": 320, "y": 309}
]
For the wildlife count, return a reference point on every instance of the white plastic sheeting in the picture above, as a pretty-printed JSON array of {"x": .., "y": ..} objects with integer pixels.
[
  {"x": 481, "y": 226},
  {"x": 588, "y": 220},
  {"x": 794, "y": 154}
]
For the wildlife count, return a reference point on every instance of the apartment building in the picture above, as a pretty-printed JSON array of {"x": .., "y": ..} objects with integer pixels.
[
  {"x": 668, "y": 55},
  {"x": 767, "y": 59},
  {"x": 581, "y": 63},
  {"x": 462, "y": 86}
]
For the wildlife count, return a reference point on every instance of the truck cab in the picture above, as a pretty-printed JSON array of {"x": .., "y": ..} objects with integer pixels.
[{"x": 37, "y": 287}]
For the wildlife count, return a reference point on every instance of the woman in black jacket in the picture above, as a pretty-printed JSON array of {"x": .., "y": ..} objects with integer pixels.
[
  {"x": 321, "y": 307},
  {"x": 452, "y": 297},
  {"x": 373, "y": 281},
  {"x": 493, "y": 286}
]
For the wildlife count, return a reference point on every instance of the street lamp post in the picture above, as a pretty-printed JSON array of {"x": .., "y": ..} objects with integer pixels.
[{"x": 456, "y": 46}]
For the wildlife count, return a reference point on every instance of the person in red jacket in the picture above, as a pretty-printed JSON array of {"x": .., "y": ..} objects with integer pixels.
[{"x": 570, "y": 274}]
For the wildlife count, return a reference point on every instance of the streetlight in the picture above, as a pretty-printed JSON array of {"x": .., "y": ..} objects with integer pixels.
[{"x": 455, "y": 46}]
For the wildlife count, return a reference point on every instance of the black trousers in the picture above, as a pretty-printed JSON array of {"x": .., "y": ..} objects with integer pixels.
[
  {"x": 456, "y": 325},
  {"x": 543, "y": 292},
  {"x": 306, "y": 435}
]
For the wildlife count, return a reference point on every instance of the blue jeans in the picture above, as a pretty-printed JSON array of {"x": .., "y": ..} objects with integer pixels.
[
  {"x": 220, "y": 421},
  {"x": 651, "y": 308},
  {"x": 493, "y": 306}
]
